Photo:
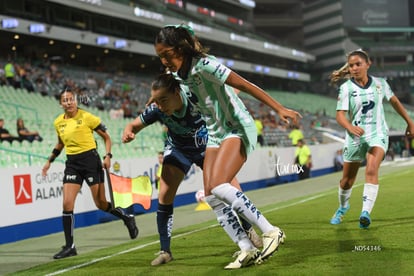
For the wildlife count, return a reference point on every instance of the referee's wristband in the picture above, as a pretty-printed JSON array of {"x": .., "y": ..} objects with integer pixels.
[
  {"x": 55, "y": 153},
  {"x": 109, "y": 155}
]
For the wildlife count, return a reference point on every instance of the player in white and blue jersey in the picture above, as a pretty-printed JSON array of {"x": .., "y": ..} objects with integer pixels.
[
  {"x": 185, "y": 145},
  {"x": 231, "y": 129},
  {"x": 361, "y": 98}
]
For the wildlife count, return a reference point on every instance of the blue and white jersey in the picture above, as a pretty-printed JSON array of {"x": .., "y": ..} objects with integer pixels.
[
  {"x": 186, "y": 130},
  {"x": 365, "y": 105}
]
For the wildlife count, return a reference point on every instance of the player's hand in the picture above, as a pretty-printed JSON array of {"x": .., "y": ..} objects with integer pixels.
[
  {"x": 45, "y": 168},
  {"x": 107, "y": 162},
  {"x": 286, "y": 114},
  {"x": 127, "y": 137},
  {"x": 356, "y": 130},
  {"x": 409, "y": 132}
]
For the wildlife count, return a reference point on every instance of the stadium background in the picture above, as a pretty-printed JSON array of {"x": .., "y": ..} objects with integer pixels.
[{"x": 287, "y": 47}]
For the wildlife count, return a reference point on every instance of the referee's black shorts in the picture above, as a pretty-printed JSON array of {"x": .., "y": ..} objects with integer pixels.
[{"x": 84, "y": 166}]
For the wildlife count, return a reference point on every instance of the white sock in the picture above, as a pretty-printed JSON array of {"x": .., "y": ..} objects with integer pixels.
[
  {"x": 230, "y": 223},
  {"x": 344, "y": 196},
  {"x": 241, "y": 204},
  {"x": 369, "y": 196}
]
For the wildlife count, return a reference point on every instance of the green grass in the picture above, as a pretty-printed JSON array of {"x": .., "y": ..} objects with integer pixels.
[{"x": 312, "y": 247}]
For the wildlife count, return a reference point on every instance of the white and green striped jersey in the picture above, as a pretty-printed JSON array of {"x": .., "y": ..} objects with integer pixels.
[
  {"x": 221, "y": 108},
  {"x": 365, "y": 105}
]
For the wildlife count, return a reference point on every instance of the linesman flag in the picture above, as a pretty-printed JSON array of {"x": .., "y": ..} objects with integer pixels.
[{"x": 126, "y": 191}]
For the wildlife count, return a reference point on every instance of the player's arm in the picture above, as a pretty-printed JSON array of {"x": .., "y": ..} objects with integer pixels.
[
  {"x": 399, "y": 108},
  {"x": 55, "y": 153},
  {"x": 240, "y": 83},
  {"x": 102, "y": 131},
  {"x": 131, "y": 129},
  {"x": 341, "y": 118}
]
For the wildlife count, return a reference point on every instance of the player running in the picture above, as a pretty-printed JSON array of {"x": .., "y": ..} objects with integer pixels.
[
  {"x": 185, "y": 145},
  {"x": 231, "y": 129},
  {"x": 361, "y": 97}
]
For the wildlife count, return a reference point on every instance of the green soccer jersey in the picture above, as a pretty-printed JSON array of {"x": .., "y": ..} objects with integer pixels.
[
  {"x": 223, "y": 111},
  {"x": 365, "y": 105}
]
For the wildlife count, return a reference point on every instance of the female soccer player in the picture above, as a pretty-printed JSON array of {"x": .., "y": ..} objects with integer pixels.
[
  {"x": 231, "y": 129},
  {"x": 74, "y": 129},
  {"x": 361, "y": 97},
  {"x": 185, "y": 144}
]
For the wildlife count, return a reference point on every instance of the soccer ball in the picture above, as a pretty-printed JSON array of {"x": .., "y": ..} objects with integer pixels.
[{"x": 199, "y": 196}]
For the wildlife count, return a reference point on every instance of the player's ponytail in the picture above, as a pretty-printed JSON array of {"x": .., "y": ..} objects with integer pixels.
[{"x": 343, "y": 72}]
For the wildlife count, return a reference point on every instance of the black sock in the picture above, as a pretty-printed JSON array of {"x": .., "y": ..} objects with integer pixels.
[
  {"x": 164, "y": 223},
  {"x": 68, "y": 221},
  {"x": 245, "y": 224}
]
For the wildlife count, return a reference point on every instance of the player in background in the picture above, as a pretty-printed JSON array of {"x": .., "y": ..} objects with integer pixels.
[
  {"x": 361, "y": 98},
  {"x": 231, "y": 129},
  {"x": 185, "y": 145},
  {"x": 74, "y": 130}
]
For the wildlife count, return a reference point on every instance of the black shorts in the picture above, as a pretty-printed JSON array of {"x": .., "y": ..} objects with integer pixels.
[
  {"x": 183, "y": 159},
  {"x": 84, "y": 166}
]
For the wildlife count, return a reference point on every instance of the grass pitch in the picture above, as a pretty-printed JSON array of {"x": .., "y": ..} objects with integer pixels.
[{"x": 312, "y": 247}]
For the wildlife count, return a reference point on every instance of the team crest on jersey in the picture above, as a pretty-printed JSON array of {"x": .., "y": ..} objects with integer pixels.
[
  {"x": 378, "y": 87},
  {"x": 62, "y": 128}
]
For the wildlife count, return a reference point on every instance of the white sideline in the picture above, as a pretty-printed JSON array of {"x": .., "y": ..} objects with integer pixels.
[
  {"x": 207, "y": 227},
  {"x": 174, "y": 237}
]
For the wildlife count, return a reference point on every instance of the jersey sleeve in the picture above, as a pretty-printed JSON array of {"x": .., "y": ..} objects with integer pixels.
[
  {"x": 212, "y": 70},
  {"x": 92, "y": 120},
  {"x": 343, "y": 98},
  {"x": 150, "y": 115},
  {"x": 388, "y": 91}
]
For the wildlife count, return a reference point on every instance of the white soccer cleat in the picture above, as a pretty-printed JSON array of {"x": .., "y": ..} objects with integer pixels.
[
  {"x": 162, "y": 258},
  {"x": 271, "y": 242},
  {"x": 245, "y": 258}
]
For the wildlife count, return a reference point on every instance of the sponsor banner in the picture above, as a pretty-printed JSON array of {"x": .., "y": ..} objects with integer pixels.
[{"x": 28, "y": 197}]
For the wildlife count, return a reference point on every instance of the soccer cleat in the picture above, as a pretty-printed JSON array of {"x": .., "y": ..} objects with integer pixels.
[
  {"x": 66, "y": 252},
  {"x": 162, "y": 258},
  {"x": 271, "y": 242},
  {"x": 364, "y": 220},
  {"x": 129, "y": 221},
  {"x": 245, "y": 258},
  {"x": 339, "y": 215},
  {"x": 254, "y": 238}
]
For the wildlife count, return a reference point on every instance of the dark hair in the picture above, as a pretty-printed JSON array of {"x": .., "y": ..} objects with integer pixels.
[
  {"x": 166, "y": 81},
  {"x": 182, "y": 39},
  {"x": 66, "y": 90}
]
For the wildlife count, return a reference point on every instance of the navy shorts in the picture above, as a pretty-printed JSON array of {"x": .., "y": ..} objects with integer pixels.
[
  {"x": 182, "y": 159},
  {"x": 84, "y": 166}
]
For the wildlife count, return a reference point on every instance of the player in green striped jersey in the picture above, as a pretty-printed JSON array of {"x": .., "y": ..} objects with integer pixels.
[{"x": 361, "y": 98}]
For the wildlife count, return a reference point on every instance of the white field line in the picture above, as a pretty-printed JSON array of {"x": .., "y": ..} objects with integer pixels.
[
  {"x": 174, "y": 237},
  {"x": 185, "y": 234}
]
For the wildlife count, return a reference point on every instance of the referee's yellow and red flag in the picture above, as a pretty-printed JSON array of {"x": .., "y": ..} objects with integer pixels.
[{"x": 127, "y": 191}]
